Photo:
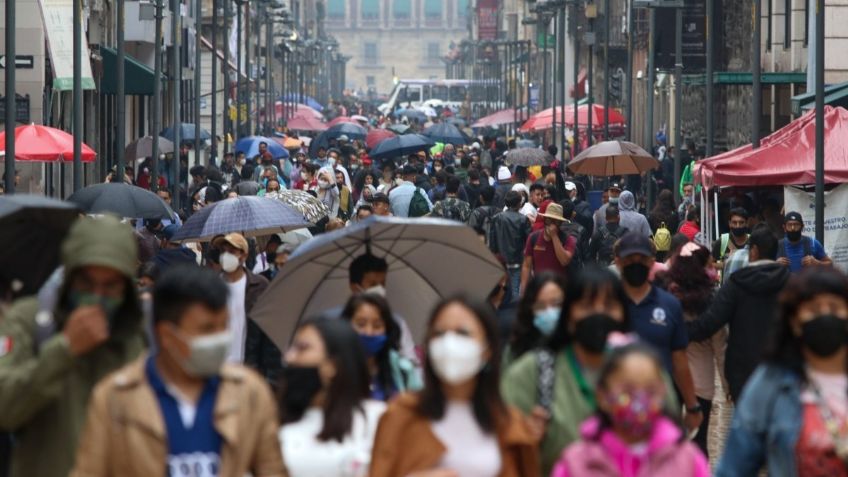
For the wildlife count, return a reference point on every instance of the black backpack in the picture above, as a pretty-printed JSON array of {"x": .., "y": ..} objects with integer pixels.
[{"x": 608, "y": 240}]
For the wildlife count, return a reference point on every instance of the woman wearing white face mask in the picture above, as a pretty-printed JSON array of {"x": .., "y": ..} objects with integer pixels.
[
  {"x": 537, "y": 315},
  {"x": 459, "y": 424},
  {"x": 328, "y": 192}
]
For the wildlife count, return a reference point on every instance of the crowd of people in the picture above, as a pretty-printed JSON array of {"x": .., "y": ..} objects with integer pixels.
[{"x": 600, "y": 351}]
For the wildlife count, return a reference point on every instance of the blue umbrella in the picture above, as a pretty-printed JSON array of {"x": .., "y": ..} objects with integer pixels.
[
  {"x": 352, "y": 131},
  {"x": 250, "y": 147},
  {"x": 186, "y": 133},
  {"x": 307, "y": 100},
  {"x": 401, "y": 146},
  {"x": 250, "y": 216},
  {"x": 446, "y": 133},
  {"x": 411, "y": 114}
]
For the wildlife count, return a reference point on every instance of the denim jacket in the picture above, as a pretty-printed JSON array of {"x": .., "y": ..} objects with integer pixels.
[{"x": 765, "y": 426}]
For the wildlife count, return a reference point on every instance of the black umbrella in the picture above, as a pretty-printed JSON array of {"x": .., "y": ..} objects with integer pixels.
[
  {"x": 250, "y": 216},
  {"x": 399, "y": 128},
  {"x": 124, "y": 200},
  {"x": 32, "y": 229},
  {"x": 401, "y": 146},
  {"x": 186, "y": 133},
  {"x": 446, "y": 133},
  {"x": 351, "y": 130}
]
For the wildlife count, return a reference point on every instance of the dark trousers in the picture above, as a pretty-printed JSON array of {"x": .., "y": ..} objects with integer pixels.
[
  {"x": 702, "y": 437},
  {"x": 5, "y": 453}
]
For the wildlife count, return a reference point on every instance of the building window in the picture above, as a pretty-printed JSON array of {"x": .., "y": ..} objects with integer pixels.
[
  {"x": 433, "y": 9},
  {"x": 370, "y": 54},
  {"x": 401, "y": 9},
  {"x": 370, "y": 81},
  {"x": 462, "y": 8},
  {"x": 370, "y": 9},
  {"x": 769, "y": 15},
  {"x": 806, "y": 22},
  {"x": 787, "y": 24},
  {"x": 336, "y": 9},
  {"x": 433, "y": 53}
]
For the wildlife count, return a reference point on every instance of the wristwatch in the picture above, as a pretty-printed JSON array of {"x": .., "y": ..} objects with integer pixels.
[{"x": 696, "y": 409}]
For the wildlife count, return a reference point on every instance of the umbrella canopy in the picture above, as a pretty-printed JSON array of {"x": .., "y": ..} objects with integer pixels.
[
  {"x": 399, "y": 128},
  {"x": 411, "y": 114},
  {"x": 360, "y": 118},
  {"x": 304, "y": 121},
  {"x": 45, "y": 144},
  {"x": 144, "y": 147},
  {"x": 529, "y": 156},
  {"x": 295, "y": 237},
  {"x": 341, "y": 119},
  {"x": 308, "y": 100},
  {"x": 446, "y": 133},
  {"x": 124, "y": 200},
  {"x": 429, "y": 259},
  {"x": 504, "y": 116},
  {"x": 250, "y": 216},
  {"x": 401, "y": 146},
  {"x": 292, "y": 143},
  {"x": 458, "y": 122},
  {"x": 428, "y": 111},
  {"x": 376, "y": 136},
  {"x": 250, "y": 147},
  {"x": 31, "y": 223},
  {"x": 613, "y": 158},
  {"x": 308, "y": 205},
  {"x": 293, "y": 109},
  {"x": 545, "y": 119},
  {"x": 186, "y": 133},
  {"x": 351, "y": 130}
]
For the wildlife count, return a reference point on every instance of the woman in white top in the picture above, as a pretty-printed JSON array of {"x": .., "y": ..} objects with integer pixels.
[{"x": 328, "y": 422}]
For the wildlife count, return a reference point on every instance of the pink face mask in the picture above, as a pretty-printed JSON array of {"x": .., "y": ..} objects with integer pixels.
[{"x": 634, "y": 412}]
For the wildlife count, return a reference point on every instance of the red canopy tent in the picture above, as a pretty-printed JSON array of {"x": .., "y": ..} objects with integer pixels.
[
  {"x": 545, "y": 119},
  {"x": 786, "y": 157},
  {"x": 504, "y": 116},
  {"x": 45, "y": 144},
  {"x": 295, "y": 109},
  {"x": 341, "y": 119}
]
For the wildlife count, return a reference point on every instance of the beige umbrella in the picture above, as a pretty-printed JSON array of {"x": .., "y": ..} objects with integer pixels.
[{"x": 613, "y": 158}]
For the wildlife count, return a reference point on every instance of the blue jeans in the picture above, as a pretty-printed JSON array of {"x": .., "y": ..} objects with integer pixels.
[{"x": 514, "y": 284}]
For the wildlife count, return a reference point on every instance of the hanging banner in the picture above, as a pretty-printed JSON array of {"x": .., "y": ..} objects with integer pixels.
[
  {"x": 835, "y": 219},
  {"x": 487, "y": 19},
  {"x": 58, "y": 18}
]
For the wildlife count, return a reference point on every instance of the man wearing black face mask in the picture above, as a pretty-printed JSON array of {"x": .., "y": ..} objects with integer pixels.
[
  {"x": 734, "y": 240},
  {"x": 657, "y": 317},
  {"x": 797, "y": 251}
]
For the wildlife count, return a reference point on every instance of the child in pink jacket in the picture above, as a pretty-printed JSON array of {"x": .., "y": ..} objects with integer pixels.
[{"x": 629, "y": 436}]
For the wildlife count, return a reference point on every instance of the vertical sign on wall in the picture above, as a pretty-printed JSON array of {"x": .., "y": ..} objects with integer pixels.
[{"x": 487, "y": 19}]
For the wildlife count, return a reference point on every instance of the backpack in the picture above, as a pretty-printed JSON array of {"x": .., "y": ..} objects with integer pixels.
[
  {"x": 418, "y": 206},
  {"x": 485, "y": 226},
  {"x": 662, "y": 238},
  {"x": 608, "y": 240},
  {"x": 575, "y": 230}
]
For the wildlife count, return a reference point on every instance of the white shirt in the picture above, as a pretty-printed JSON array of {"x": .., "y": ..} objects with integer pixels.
[
  {"x": 832, "y": 389},
  {"x": 306, "y": 456},
  {"x": 238, "y": 320},
  {"x": 470, "y": 451}
]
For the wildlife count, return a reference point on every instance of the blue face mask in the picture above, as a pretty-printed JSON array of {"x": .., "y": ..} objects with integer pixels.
[
  {"x": 373, "y": 344},
  {"x": 546, "y": 320}
]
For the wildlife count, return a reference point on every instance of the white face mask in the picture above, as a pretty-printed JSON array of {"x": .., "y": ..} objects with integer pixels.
[
  {"x": 242, "y": 162},
  {"x": 455, "y": 358},
  {"x": 378, "y": 290},
  {"x": 207, "y": 354},
  {"x": 229, "y": 262},
  {"x": 323, "y": 184},
  {"x": 331, "y": 161},
  {"x": 304, "y": 177}
]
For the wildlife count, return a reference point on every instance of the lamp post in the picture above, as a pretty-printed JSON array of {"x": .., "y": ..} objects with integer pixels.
[
  {"x": 678, "y": 99},
  {"x": 157, "y": 98},
  {"x": 214, "y": 100},
  {"x": 710, "y": 88},
  {"x": 819, "y": 120},
  {"x": 9, "y": 160},
  {"x": 197, "y": 19},
  {"x": 239, "y": 80},
  {"x": 176, "y": 120},
  {"x": 226, "y": 122},
  {"x": 756, "y": 83},
  {"x": 591, "y": 14},
  {"x": 77, "y": 94},
  {"x": 606, "y": 68},
  {"x": 120, "y": 94}
]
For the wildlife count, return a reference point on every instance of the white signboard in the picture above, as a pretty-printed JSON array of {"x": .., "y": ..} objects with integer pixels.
[
  {"x": 58, "y": 16},
  {"x": 835, "y": 219}
]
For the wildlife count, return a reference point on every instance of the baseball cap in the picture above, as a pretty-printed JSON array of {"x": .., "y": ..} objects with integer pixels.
[
  {"x": 169, "y": 231},
  {"x": 615, "y": 185},
  {"x": 793, "y": 216},
  {"x": 504, "y": 174},
  {"x": 236, "y": 240},
  {"x": 380, "y": 197},
  {"x": 634, "y": 243},
  {"x": 344, "y": 137},
  {"x": 570, "y": 186}
]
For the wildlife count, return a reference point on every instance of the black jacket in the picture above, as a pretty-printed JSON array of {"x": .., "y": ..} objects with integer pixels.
[
  {"x": 748, "y": 303},
  {"x": 500, "y": 194},
  {"x": 508, "y": 235},
  {"x": 583, "y": 215},
  {"x": 260, "y": 353}
]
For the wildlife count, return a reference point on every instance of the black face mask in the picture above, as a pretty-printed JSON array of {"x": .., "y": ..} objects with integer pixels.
[
  {"x": 793, "y": 235},
  {"x": 300, "y": 385},
  {"x": 739, "y": 231},
  {"x": 270, "y": 256},
  {"x": 635, "y": 274},
  {"x": 824, "y": 334},
  {"x": 591, "y": 332}
]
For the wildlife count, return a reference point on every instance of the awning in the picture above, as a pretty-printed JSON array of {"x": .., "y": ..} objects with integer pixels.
[
  {"x": 834, "y": 95},
  {"x": 746, "y": 77},
  {"x": 208, "y": 45},
  {"x": 138, "y": 78}
]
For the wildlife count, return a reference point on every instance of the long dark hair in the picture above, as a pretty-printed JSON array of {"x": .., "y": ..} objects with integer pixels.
[
  {"x": 384, "y": 369},
  {"x": 525, "y": 336},
  {"x": 589, "y": 282},
  {"x": 687, "y": 280},
  {"x": 349, "y": 386},
  {"x": 785, "y": 349},
  {"x": 487, "y": 402}
]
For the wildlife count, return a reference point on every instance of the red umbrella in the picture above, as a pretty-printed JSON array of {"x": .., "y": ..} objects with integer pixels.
[
  {"x": 376, "y": 136},
  {"x": 341, "y": 119},
  {"x": 305, "y": 122},
  {"x": 45, "y": 144},
  {"x": 504, "y": 116},
  {"x": 296, "y": 109},
  {"x": 544, "y": 119}
]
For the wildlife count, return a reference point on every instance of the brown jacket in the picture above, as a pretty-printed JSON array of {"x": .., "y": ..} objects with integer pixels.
[
  {"x": 125, "y": 433},
  {"x": 405, "y": 443}
]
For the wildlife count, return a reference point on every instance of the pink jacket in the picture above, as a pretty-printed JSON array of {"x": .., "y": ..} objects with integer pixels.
[{"x": 610, "y": 457}]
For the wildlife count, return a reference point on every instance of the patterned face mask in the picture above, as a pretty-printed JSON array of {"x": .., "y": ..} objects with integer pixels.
[{"x": 635, "y": 411}]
